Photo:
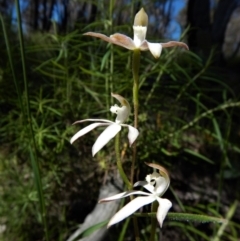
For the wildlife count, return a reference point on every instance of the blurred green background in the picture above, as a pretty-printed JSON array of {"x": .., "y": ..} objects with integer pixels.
[{"x": 51, "y": 75}]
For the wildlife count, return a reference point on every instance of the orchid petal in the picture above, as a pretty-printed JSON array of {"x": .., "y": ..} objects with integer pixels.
[
  {"x": 105, "y": 137},
  {"x": 102, "y": 120},
  {"x": 144, "y": 46},
  {"x": 149, "y": 187},
  {"x": 123, "y": 41},
  {"x": 145, "y": 184},
  {"x": 155, "y": 49},
  {"x": 117, "y": 39},
  {"x": 99, "y": 35},
  {"x": 122, "y": 195},
  {"x": 173, "y": 44},
  {"x": 140, "y": 183},
  {"x": 164, "y": 206},
  {"x": 130, "y": 208},
  {"x": 132, "y": 133},
  {"x": 86, "y": 130}
]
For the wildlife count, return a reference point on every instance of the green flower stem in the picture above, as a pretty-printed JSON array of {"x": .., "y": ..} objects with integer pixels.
[
  {"x": 153, "y": 221},
  {"x": 136, "y": 229},
  {"x": 119, "y": 162},
  {"x": 111, "y": 6},
  {"x": 125, "y": 179},
  {"x": 135, "y": 71}
]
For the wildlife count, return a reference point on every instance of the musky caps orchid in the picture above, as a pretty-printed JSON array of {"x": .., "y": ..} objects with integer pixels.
[
  {"x": 139, "y": 39},
  {"x": 157, "y": 184},
  {"x": 112, "y": 127}
]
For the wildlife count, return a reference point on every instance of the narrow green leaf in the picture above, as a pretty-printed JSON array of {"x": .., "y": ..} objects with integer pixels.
[
  {"x": 93, "y": 73},
  {"x": 104, "y": 60},
  {"x": 198, "y": 155},
  {"x": 187, "y": 217},
  {"x": 92, "y": 229},
  {"x": 124, "y": 229},
  {"x": 224, "y": 225}
]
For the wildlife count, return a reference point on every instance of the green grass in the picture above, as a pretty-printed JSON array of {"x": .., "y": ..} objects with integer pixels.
[{"x": 188, "y": 117}]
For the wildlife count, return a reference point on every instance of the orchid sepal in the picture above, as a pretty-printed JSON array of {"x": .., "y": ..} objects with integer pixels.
[
  {"x": 109, "y": 133},
  {"x": 86, "y": 130},
  {"x": 132, "y": 134},
  {"x": 130, "y": 208},
  {"x": 122, "y": 195},
  {"x": 163, "y": 208}
]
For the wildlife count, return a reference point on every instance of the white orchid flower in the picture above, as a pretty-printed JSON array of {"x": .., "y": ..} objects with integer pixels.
[
  {"x": 156, "y": 183},
  {"x": 112, "y": 127},
  {"x": 139, "y": 39}
]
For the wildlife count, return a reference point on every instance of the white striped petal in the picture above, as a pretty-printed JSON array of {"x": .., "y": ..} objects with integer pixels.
[
  {"x": 164, "y": 206},
  {"x": 105, "y": 137},
  {"x": 122, "y": 195},
  {"x": 86, "y": 130},
  {"x": 130, "y": 208}
]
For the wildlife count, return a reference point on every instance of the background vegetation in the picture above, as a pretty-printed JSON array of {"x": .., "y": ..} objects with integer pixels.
[{"x": 51, "y": 75}]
